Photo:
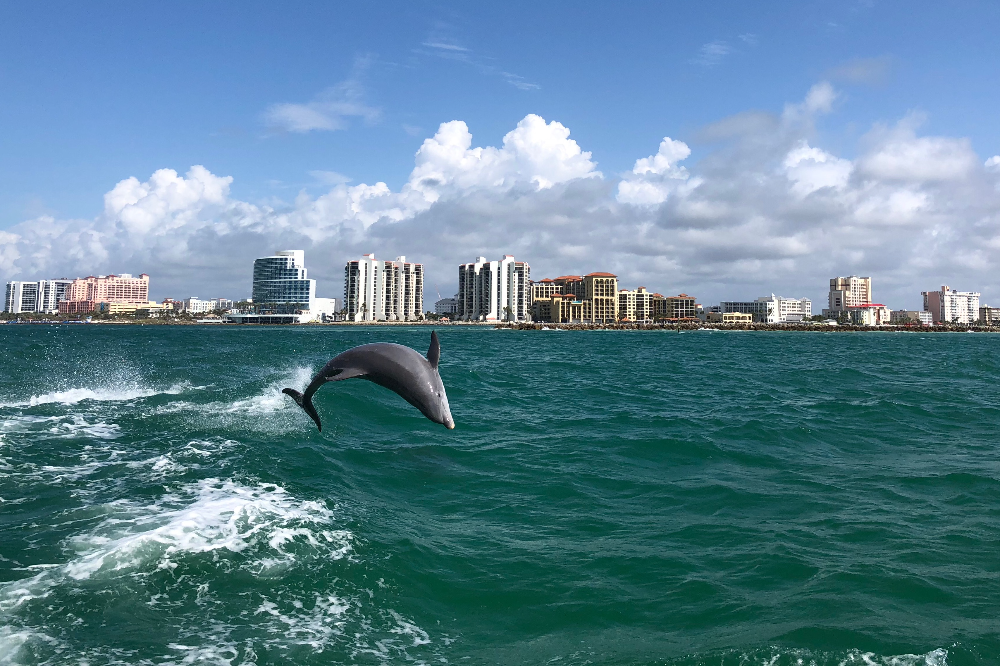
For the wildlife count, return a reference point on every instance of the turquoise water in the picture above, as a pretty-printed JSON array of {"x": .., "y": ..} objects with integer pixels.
[{"x": 606, "y": 498}]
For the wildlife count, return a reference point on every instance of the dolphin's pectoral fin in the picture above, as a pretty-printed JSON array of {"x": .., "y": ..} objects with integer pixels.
[
  {"x": 434, "y": 351},
  {"x": 345, "y": 373}
]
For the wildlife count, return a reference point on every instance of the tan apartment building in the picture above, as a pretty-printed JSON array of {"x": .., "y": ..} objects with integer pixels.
[
  {"x": 591, "y": 298},
  {"x": 636, "y": 305},
  {"x": 680, "y": 306}
]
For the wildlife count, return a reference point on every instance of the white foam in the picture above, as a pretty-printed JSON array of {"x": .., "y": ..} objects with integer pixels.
[
  {"x": 121, "y": 393},
  {"x": 315, "y": 626},
  {"x": 211, "y": 515}
]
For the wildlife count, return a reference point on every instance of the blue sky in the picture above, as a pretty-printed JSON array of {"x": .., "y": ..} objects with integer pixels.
[{"x": 292, "y": 101}]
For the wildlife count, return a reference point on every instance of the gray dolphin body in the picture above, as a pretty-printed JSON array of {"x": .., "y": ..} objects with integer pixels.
[{"x": 397, "y": 368}]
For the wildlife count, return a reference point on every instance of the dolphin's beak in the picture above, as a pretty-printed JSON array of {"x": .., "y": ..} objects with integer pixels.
[{"x": 450, "y": 425}]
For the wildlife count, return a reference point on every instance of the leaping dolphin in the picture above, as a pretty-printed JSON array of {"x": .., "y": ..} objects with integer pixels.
[{"x": 398, "y": 368}]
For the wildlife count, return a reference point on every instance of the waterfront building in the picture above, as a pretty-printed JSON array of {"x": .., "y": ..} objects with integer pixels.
[
  {"x": 989, "y": 316},
  {"x": 636, "y": 305},
  {"x": 772, "y": 309},
  {"x": 446, "y": 306},
  {"x": 846, "y": 292},
  {"x": 559, "y": 309},
  {"x": 681, "y": 306},
  {"x": 194, "y": 305},
  {"x": 591, "y": 298},
  {"x": 729, "y": 317},
  {"x": 949, "y": 306},
  {"x": 383, "y": 290},
  {"x": 600, "y": 291},
  {"x": 83, "y": 295},
  {"x": 494, "y": 290},
  {"x": 40, "y": 296},
  {"x": 911, "y": 318},
  {"x": 545, "y": 288},
  {"x": 869, "y": 314},
  {"x": 281, "y": 284}
]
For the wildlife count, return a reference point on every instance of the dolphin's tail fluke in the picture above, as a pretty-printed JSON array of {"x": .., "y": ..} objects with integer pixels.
[{"x": 306, "y": 404}]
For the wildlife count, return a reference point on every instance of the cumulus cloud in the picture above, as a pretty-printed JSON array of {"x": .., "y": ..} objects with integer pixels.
[
  {"x": 653, "y": 178},
  {"x": 767, "y": 209}
]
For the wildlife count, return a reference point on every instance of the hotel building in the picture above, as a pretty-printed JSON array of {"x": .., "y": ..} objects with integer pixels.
[
  {"x": 592, "y": 298},
  {"x": 952, "y": 307},
  {"x": 846, "y": 292},
  {"x": 494, "y": 290},
  {"x": 85, "y": 295},
  {"x": 281, "y": 284},
  {"x": 383, "y": 290}
]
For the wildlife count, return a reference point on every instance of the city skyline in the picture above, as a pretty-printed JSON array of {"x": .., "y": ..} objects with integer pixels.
[{"x": 741, "y": 156}]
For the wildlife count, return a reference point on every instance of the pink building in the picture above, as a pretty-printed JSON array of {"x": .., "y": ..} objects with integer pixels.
[{"x": 84, "y": 294}]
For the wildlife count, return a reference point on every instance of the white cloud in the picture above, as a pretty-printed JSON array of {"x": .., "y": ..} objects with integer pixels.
[
  {"x": 812, "y": 169},
  {"x": 818, "y": 100},
  {"x": 712, "y": 53},
  {"x": 899, "y": 154},
  {"x": 766, "y": 210},
  {"x": 653, "y": 178},
  {"x": 331, "y": 110}
]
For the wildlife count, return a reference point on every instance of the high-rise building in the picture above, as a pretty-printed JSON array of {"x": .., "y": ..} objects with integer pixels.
[
  {"x": 281, "y": 284},
  {"x": 592, "y": 298},
  {"x": 41, "y": 296},
  {"x": 952, "y": 307},
  {"x": 846, "y": 292},
  {"x": 383, "y": 290},
  {"x": 681, "y": 306},
  {"x": 86, "y": 294},
  {"x": 636, "y": 305},
  {"x": 494, "y": 290}
]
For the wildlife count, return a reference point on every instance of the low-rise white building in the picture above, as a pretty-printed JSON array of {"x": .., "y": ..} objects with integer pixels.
[
  {"x": 910, "y": 318},
  {"x": 989, "y": 316},
  {"x": 195, "y": 305},
  {"x": 772, "y": 309},
  {"x": 949, "y": 306},
  {"x": 869, "y": 314},
  {"x": 446, "y": 306}
]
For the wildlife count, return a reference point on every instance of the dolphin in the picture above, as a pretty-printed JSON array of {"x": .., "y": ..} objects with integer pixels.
[{"x": 397, "y": 368}]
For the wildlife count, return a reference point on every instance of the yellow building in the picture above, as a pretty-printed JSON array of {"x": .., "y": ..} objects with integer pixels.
[
  {"x": 730, "y": 317},
  {"x": 153, "y": 307}
]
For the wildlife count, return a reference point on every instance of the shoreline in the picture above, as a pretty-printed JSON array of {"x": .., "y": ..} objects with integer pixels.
[{"x": 540, "y": 326}]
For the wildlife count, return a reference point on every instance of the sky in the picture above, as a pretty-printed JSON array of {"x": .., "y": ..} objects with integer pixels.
[{"x": 723, "y": 149}]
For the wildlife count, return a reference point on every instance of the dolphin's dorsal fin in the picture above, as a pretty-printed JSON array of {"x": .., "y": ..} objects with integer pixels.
[{"x": 434, "y": 352}]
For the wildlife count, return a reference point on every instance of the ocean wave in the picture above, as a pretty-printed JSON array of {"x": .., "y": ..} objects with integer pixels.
[
  {"x": 223, "y": 516},
  {"x": 118, "y": 393},
  {"x": 779, "y": 656}
]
